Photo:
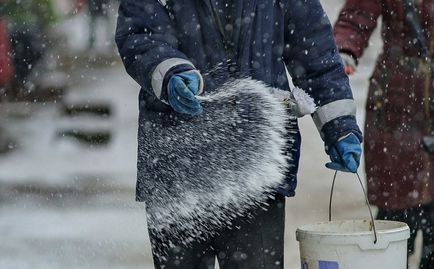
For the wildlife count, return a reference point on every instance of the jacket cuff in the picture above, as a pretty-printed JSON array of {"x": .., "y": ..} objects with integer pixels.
[
  {"x": 164, "y": 70},
  {"x": 333, "y": 110},
  {"x": 336, "y": 119},
  {"x": 338, "y": 128},
  {"x": 350, "y": 54},
  {"x": 348, "y": 59}
]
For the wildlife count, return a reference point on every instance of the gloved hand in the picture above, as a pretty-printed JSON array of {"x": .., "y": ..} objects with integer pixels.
[
  {"x": 349, "y": 63},
  {"x": 182, "y": 89},
  {"x": 345, "y": 154}
]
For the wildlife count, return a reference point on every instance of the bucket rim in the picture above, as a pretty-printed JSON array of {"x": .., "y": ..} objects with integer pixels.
[{"x": 304, "y": 229}]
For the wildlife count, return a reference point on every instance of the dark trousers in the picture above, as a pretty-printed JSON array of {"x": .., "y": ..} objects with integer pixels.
[
  {"x": 255, "y": 242},
  {"x": 417, "y": 218}
]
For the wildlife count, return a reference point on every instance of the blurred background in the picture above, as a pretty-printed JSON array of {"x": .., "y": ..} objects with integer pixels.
[{"x": 68, "y": 115}]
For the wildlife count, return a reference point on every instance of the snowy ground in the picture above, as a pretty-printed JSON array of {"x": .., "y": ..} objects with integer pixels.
[{"x": 68, "y": 205}]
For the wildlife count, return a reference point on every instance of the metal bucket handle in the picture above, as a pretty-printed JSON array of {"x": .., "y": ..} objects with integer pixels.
[{"x": 366, "y": 200}]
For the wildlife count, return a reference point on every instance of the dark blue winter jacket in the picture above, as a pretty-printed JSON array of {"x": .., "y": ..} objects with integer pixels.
[{"x": 226, "y": 38}]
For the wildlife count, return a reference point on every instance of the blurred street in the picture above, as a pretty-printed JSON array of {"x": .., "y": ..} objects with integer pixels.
[{"x": 67, "y": 187}]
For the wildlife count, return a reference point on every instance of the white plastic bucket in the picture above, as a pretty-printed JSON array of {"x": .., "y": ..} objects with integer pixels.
[{"x": 349, "y": 244}]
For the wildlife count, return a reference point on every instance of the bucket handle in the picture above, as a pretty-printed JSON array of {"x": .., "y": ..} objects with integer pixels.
[{"x": 366, "y": 200}]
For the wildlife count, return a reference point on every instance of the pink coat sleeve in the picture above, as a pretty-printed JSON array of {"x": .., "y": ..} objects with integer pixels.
[
  {"x": 356, "y": 22},
  {"x": 5, "y": 61}
]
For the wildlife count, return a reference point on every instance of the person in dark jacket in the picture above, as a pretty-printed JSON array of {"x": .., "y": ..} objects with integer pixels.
[
  {"x": 97, "y": 10},
  {"x": 175, "y": 50},
  {"x": 398, "y": 112}
]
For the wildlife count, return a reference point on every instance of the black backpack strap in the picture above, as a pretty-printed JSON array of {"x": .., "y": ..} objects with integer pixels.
[{"x": 413, "y": 20}]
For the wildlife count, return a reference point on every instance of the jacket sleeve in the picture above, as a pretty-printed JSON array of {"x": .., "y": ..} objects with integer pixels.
[
  {"x": 148, "y": 45},
  {"x": 314, "y": 63},
  {"x": 356, "y": 22}
]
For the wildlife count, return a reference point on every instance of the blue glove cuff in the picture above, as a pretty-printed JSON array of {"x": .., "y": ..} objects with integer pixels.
[
  {"x": 345, "y": 154},
  {"x": 182, "y": 89}
]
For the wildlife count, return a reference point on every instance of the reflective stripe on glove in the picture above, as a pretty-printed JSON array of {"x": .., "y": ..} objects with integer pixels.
[
  {"x": 182, "y": 89},
  {"x": 345, "y": 154}
]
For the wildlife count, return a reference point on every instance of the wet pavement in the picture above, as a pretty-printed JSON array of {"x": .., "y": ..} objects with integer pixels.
[{"x": 69, "y": 203}]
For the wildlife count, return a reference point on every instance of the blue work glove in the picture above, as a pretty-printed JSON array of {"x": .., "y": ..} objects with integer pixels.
[
  {"x": 182, "y": 89},
  {"x": 345, "y": 154}
]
